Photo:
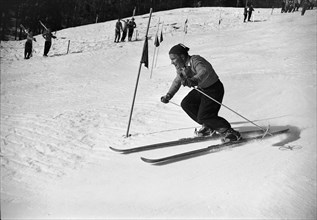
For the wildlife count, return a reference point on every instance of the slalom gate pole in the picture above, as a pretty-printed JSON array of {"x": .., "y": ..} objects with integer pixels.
[
  {"x": 157, "y": 53},
  {"x": 158, "y": 26},
  {"x": 174, "y": 103},
  {"x": 263, "y": 129},
  {"x": 137, "y": 81},
  {"x": 153, "y": 62}
]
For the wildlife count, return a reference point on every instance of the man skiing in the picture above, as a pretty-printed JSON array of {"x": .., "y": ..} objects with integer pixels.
[
  {"x": 195, "y": 71},
  {"x": 48, "y": 41}
]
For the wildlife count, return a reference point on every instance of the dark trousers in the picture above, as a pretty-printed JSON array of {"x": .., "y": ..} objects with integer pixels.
[
  {"x": 117, "y": 36},
  {"x": 130, "y": 33},
  {"x": 204, "y": 110},
  {"x": 27, "y": 50},
  {"x": 124, "y": 34},
  {"x": 47, "y": 47},
  {"x": 249, "y": 16}
]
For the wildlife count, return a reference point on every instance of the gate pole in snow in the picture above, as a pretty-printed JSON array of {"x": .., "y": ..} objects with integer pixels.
[
  {"x": 137, "y": 81},
  {"x": 68, "y": 46}
]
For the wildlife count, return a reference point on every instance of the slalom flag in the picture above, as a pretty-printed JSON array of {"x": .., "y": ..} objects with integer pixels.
[
  {"x": 161, "y": 38},
  {"x": 145, "y": 53},
  {"x": 156, "y": 41},
  {"x": 185, "y": 26}
]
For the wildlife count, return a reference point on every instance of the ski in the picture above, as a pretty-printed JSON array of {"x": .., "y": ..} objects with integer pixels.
[
  {"x": 177, "y": 142},
  {"x": 209, "y": 149}
]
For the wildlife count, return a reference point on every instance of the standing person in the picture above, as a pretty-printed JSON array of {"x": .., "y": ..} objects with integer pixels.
[
  {"x": 283, "y": 6},
  {"x": 194, "y": 71},
  {"x": 245, "y": 13},
  {"x": 251, "y": 9},
  {"x": 28, "y": 44},
  {"x": 131, "y": 26},
  {"x": 117, "y": 31},
  {"x": 48, "y": 41},
  {"x": 124, "y": 29}
]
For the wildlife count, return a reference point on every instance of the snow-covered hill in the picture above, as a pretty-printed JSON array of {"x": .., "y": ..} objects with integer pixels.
[{"x": 60, "y": 114}]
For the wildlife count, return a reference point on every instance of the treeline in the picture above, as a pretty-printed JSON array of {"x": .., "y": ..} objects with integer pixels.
[{"x": 60, "y": 14}]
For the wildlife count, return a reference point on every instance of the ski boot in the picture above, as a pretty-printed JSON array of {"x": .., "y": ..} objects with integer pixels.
[
  {"x": 204, "y": 131},
  {"x": 231, "y": 135}
]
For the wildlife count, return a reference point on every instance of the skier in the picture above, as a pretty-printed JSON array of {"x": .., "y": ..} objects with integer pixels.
[
  {"x": 117, "y": 31},
  {"x": 29, "y": 45},
  {"x": 250, "y": 12},
  {"x": 283, "y": 6},
  {"x": 195, "y": 71},
  {"x": 245, "y": 13},
  {"x": 131, "y": 26},
  {"x": 124, "y": 29},
  {"x": 48, "y": 41}
]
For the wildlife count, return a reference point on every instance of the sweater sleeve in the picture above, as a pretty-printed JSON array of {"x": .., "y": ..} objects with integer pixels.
[
  {"x": 175, "y": 86},
  {"x": 201, "y": 71}
]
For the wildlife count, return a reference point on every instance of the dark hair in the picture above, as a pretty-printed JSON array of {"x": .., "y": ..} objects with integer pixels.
[{"x": 179, "y": 49}]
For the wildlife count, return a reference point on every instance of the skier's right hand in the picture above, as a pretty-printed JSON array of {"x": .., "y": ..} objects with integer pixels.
[{"x": 165, "y": 99}]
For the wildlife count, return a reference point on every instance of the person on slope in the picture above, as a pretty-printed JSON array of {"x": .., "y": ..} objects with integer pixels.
[
  {"x": 48, "y": 41},
  {"x": 124, "y": 29},
  {"x": 118, "y": 29},
  {"x": 245, "y": 13},
  {"x": 195, "y": 71},
  {"x": 251, "y": 9},
  {"x": 28, "y": 44},
  {"x": 131, "y": 26}
]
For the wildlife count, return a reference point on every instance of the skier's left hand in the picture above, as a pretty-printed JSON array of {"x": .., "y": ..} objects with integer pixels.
[{"x": 190, "y": 82}]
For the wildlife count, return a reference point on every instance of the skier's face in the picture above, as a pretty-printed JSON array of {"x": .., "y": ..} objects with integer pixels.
[{"x": 177, "y": 60}]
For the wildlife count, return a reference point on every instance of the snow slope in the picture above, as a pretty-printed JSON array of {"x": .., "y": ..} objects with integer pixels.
[{"x": 60, "y": 114}]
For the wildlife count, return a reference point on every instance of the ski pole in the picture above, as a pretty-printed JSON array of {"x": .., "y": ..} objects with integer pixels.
[
  {"x": 174, "y": 103},
  {"x": 265, "y": 130}
]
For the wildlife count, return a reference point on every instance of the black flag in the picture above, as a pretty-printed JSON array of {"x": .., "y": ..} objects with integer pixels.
[
  {"x": 156, "y": 41},
  {"x": 145, "y": 54}
]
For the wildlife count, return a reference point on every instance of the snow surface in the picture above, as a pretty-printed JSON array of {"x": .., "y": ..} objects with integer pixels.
[{"x": 60, "y": 114}]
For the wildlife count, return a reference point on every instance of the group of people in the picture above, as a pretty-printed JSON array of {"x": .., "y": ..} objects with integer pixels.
[
  {"x": 293, "y": 5},
  {"x": 248, "y": 12},
  {"x": 126, "y": 27},
  {"x": 28, "y": 48}
]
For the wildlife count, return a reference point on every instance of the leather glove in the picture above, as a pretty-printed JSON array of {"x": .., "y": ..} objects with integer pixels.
[
  {"x": 165, "y": 99},
  {"x": 190, "y": 82}
]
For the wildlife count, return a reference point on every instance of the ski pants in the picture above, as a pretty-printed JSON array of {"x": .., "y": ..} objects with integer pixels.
[
  {"x": 204, "y": 110},
  {"x": 130, "y": 34},
  {"x": 124, "y": 34},
  {"x": 117, "y": 36},
  {"x": 28, "y": 50},
  {"x": 47, "y": 47}
]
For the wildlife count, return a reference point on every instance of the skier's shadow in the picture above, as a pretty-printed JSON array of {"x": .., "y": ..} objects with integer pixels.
[{"x": 292, "y": 135}]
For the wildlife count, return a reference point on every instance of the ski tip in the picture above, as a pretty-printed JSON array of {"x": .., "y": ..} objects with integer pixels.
[
  {"x": 147, "y": 160},
  {"x": 116, "y": 150}
]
